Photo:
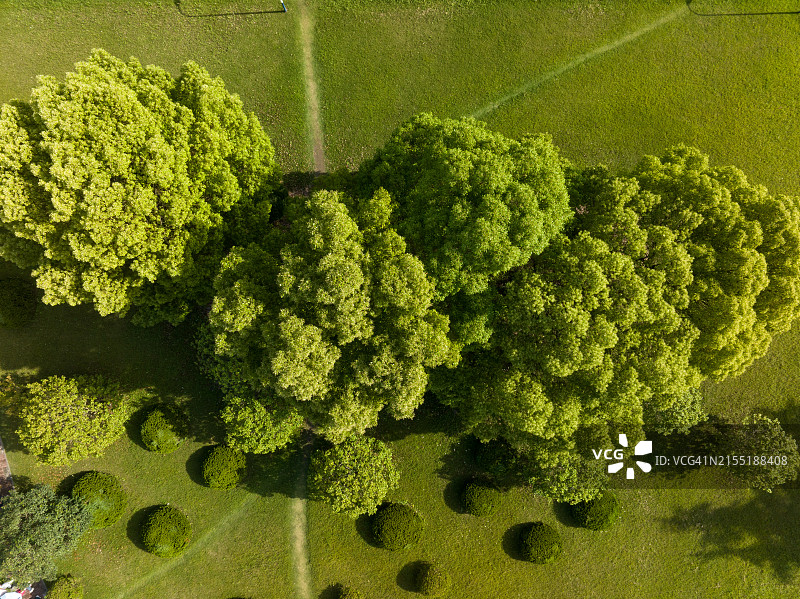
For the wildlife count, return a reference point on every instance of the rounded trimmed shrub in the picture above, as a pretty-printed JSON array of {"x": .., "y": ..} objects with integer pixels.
[
  {"x": 349, "y": 593},
  {"x": 599, "y": 513},
  {"x": 223, "y": 467},
  {"x": 166, "y": 532},
  {"x": 161, "y": 430},
  {"x": 481, "y": 498},
  {"x": 540, "y": 543},
  {"x": 433, "y": 580},
  {"x": 66, "y": 586},
  {"x": 18, "y": 302},
  {"x": 104, "y": 495},
  {"x": 396, "y": 526}
]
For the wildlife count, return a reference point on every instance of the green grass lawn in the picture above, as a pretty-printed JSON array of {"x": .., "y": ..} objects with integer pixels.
[{"x": 256, "y": 55}]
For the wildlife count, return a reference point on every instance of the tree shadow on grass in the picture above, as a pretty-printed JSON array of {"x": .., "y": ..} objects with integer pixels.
[
  {"x": 275, "y": 473},
  {"x": 511, "y": 544},
  {"x": 134, "y": 528},
  {"x": 459, "y": 463},
  {"x": 563, "y": 514},
  {"x": 431, "y": 417},
  {"x": 407, "y": 577},
  {"x": 763, "y": 530}
]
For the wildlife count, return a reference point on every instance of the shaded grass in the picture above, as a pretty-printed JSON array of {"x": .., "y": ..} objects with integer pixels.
[
  {"x": 257, "y": 56},
  {"x": 769, "y": 386}
]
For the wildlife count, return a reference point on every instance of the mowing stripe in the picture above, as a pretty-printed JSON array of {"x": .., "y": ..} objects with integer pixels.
[
  {"x": 534, "y": 83},
  {"x": 312, "y": 94},
  {"x": 199, "y": 544}
]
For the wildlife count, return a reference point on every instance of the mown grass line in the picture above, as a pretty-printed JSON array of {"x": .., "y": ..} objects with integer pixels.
[
  {"x": 208, "y": 536},
  {"x": 299, "y": 523},
  {"x": 534, "y": 83},
  {"x": 313, "y": 117}
]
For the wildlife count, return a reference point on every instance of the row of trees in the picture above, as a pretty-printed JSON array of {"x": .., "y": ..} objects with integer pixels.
[{"x": 548, "y": 305}]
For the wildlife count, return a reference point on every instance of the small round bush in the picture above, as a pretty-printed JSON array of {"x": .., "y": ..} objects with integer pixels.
[
  {"x": 433, "y": 580},
  {"x": 222, "y": 468},
  {"x": 18, "y": 302},
  {"x": 481, "y": 498},
  {"x": 540, "y": 543},
  {"x": 66, "y": 587},
  {"x": 166, "y": 532},
  {"x": 104, "y": 496},
  {"x": 161, "y": 430},
  {"x": 396, "y": 526},
  {"x": 349, "y": 593},
  {"x": 599, "y": 513}
]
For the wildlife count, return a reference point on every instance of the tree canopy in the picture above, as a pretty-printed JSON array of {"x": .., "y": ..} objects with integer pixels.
[
  {"x": 37, "y": 527},
  {"x": 660, "y": 280},
  {"x": 470, "y": 202},
  {"x": 353, "y": 477},
  {"x": 65, "y": 420},
  {"x": 329, "y": 318},
  {"x": 121, "y": 185}
]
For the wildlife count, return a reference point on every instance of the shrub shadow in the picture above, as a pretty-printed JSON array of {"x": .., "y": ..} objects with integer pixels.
[
  {"x": 134, "y": 528},
  {"x": 133, "y": 426},
  {"x": 194, "y": 465},
  {"x": 66, "y": 484},
  {"x": 364, "y": 529},
  {"x": 331, "y": 592},
  {"x": 454, "y": 492},
  {"x": 21, "y": 483},
  {"x": 511, "y": 544},
  {"x": 563, "y": 514},
  {"x": 407, "y": 577}
]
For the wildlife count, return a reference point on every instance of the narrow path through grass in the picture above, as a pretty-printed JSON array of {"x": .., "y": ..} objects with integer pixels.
[
  {"x": 196, "y": 546},
  {"x": 312, "y": 92},
  {"x": 299, "y": 519},
  {"x": 534, "y": 83}
]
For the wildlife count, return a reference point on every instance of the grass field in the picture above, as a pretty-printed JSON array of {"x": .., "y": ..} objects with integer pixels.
[
  {"x": 610, "y": 80},
  {"x": 256, "y": 55}
]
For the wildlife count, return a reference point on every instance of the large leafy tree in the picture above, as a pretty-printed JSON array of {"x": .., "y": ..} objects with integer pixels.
[
  {"x": 745, "y": 250},
  {"x": 65, "y": 420},
  {"x": 120, "y": 184},
  {"x": 677, "y": 273},
  {"x": 328, "y": 319},
  {"x": 471, "y": 203},
  {"x": 37, "y": 527},
  {"x": 354, "y": 476}
]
